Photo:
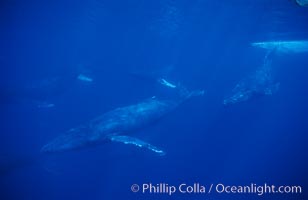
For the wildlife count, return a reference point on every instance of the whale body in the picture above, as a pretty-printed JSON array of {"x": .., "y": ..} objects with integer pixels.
[
  {"x": 117, "y": 125},
  {"x": 260, "y": 83}
]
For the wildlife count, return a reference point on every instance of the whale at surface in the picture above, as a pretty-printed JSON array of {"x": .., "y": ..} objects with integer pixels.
[
  {"x": 292, "y": 46},
  {"x": 119, "y": 125}
]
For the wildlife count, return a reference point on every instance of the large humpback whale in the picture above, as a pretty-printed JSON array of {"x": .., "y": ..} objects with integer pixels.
[
  {"x": 260, "y": 83},
  {"x": 119, "y": 124}
]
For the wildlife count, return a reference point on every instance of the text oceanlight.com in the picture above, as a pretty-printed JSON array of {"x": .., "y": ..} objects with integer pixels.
[{"x": 220, "y": 188}]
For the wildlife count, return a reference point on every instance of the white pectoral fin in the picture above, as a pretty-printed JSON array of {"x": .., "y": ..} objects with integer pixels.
[
  {"x": 136, "y": 142},
  {"x": 166, "y": 83}
]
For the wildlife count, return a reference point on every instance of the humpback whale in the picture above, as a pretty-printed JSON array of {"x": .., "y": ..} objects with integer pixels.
[
  {"x": 292, "y": 46},
  {"x": 260, "y": 83},
  {"x": 119, "y": 124}
]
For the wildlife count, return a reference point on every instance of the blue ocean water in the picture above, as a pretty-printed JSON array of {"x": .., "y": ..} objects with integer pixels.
[{"x": 120, "y": 48}]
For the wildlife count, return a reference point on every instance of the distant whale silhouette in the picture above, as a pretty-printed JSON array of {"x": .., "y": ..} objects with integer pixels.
[
  {"x": 41, "y": 92},
  {"x": 38, "y": 93},
  {"x": 260, "y": 83},
  {"x": 119, "y": 124},
  {"x": 291, "y": 46}
]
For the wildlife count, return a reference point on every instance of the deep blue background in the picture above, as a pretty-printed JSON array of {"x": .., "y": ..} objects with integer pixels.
[{"x": 201, "y": 44}]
